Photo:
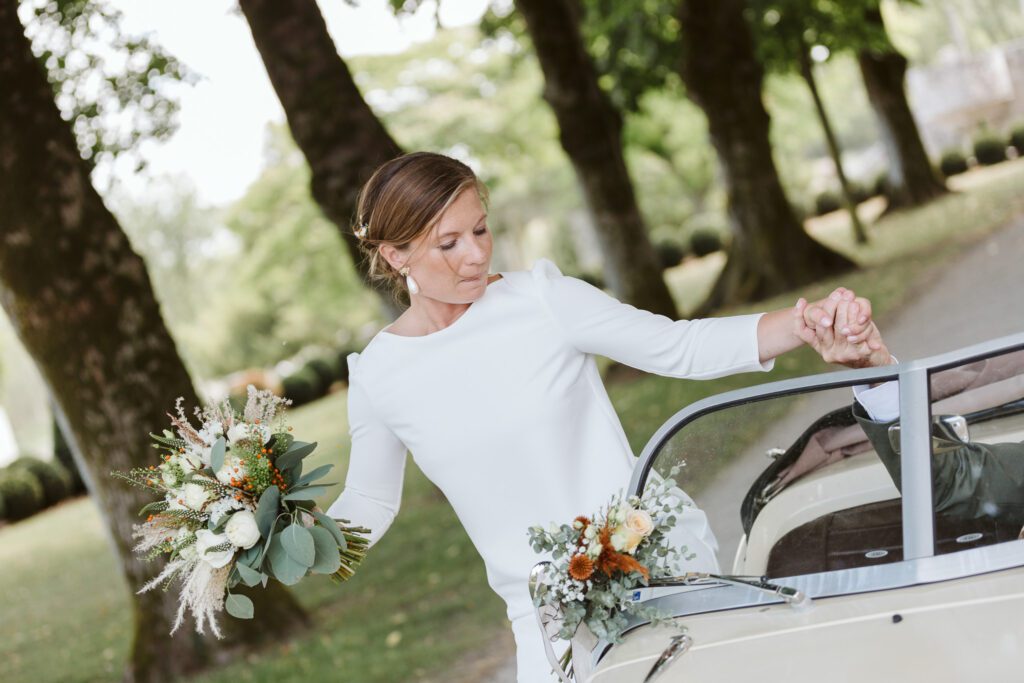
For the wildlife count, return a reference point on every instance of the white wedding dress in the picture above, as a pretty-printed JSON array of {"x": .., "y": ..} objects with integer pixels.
[{"x": 504, "y": 410}]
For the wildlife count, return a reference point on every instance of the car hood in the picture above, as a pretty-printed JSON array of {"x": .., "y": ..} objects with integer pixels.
[{"x": 963, "y": 629}]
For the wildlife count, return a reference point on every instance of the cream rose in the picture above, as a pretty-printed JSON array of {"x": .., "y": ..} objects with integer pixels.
[
  {"x": 206, "y": 539},
  {"x": 241, "y": 529},
  {"x": 637, "y": 526},
  {"x": 194, "y": 496},
  {"x": 640, "y": 522}
]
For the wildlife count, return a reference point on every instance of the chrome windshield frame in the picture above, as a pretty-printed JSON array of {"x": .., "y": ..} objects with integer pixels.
[{"x": 915, "y": 440}]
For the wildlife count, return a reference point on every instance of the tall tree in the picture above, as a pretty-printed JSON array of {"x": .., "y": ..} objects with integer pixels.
[
  {"x": 912, "y": 178},
  {"x": 341, "y": 138},
  {"x": 785, "y": 32},
  {"x": 590, "y": 130},
  {"x": 82, "y": 304},
  {"x": 770, "y": 251}
]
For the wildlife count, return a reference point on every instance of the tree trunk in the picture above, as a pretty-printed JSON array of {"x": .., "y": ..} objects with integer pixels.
[
  {"x": 912, "y": 178},
  {"x": 770, "y": 251},
  {"x": 849, "y": 202},
  {"x": 341, "y": 138},
  {"x": 82, "y": 304},
  {"x": 590, "y": 130}
]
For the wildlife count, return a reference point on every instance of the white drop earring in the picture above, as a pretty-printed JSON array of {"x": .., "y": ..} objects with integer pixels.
[{"x": 409, "y": 282}]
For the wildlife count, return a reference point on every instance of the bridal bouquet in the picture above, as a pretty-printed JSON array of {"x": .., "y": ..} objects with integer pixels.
[
  {"x": 598, "y": 561},
  {"x": 235, "y": 507}
]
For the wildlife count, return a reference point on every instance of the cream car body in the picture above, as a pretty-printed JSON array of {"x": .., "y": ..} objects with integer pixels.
[{"x": 899, "y": 612}]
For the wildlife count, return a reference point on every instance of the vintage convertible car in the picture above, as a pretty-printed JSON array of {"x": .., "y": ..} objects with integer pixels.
[{"x": 839, "y": 573}]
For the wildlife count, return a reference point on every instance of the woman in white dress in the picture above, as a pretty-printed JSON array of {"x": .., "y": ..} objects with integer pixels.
[{"x": 490, "y": 381}]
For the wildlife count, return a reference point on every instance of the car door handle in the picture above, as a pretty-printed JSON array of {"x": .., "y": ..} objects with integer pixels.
[{"x": 677, "y": 648}]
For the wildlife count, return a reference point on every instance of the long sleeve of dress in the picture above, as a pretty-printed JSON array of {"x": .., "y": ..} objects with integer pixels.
[
  {"x": 376, "y": 469},
  {"x": 596, "y": 323}
]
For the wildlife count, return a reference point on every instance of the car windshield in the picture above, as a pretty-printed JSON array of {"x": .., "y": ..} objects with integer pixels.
[{"x": 810, "y": 481}]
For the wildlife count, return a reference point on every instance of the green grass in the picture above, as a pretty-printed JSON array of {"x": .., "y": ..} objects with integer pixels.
[{"x": 421, "y": 602}]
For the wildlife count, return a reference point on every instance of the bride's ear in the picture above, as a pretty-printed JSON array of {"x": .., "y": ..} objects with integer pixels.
[{"x": 392, "y": 255}]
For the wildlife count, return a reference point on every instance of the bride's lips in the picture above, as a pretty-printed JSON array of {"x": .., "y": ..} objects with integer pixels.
[{"x": 473, "y": 279}]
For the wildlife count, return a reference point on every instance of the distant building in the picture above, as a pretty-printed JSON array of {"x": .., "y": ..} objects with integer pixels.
[{"x": 954, "y": 97}]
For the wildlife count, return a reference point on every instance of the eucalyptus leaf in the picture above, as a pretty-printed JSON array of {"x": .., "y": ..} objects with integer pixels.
[
  {"x": 298, "y": 543},
  {"x": 286, "y": 570},
  {"x": 314, "y": 475},
  {"x": 328, "y": 557},
  {"x": 217, "y": 454},
  {"x": 239, "y": 606},
  {"x": 298, "y": 451},
  {"x": 332, "y": 527},
  {"x": 251, "y": 557},
  {"x": 267, "y": 509},
  {"x": 306, "y": 493},
  {"x": 249, "y": 576}
]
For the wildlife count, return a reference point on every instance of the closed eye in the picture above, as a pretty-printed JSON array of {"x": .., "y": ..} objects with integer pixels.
[{"x": 448, "y": 245}]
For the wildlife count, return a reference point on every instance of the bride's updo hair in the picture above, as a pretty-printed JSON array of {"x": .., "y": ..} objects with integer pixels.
[{"x": 403, "y": 199}]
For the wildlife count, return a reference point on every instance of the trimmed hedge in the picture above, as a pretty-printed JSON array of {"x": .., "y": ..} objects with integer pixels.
[
  {"x": 1017, "y": 139},
  {"x": 303, "y": 386},
  {"x": 670, "y": 253},
  {"x": 704, "y": 242},
  {"x": 325, "y": 370},
  {"x": 953, "y": 162},
  {"x": 52, "y": 476},
  {"x": 22, "y": 493},
  {"x": 989, "y": 149},
  {"x": 826, "y": 202}
]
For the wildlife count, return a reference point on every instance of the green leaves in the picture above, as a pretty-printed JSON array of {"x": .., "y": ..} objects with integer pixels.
[
  {"x": 310, "y": 477},
  {"x": 328, "y": 558},
  {"x": 286, "y": 570},
  {"x": 217, "y": 455},
  {"x": 239, "y": 606},
  {"x": 306, "y": 493},
  {"x": 298, "y": 543},
  {"x": 267, "y": 509},
  {"x": 332, "y": 527},
  {"x": 249, "y": 576},
  {"x": 294, "y": 455}
]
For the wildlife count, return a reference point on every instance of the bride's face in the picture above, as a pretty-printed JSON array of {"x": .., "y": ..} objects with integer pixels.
[{"x": 451, "y": 261}]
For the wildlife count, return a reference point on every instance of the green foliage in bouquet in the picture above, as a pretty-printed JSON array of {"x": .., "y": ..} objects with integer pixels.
[{"x": 237, "y": 507}]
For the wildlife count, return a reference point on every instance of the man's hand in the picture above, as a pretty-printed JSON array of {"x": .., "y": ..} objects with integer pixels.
[{"x": 840, "y": 329}]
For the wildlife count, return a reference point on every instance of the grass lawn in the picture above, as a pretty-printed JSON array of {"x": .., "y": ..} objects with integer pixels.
[{"x": 421, "y": 603}]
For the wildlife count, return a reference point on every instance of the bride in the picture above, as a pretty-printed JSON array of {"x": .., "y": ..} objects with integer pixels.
[{"x": 489, "y": 380}]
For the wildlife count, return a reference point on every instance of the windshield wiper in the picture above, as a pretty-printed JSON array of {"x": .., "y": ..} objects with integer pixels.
[{"x": 796, "y": 599}]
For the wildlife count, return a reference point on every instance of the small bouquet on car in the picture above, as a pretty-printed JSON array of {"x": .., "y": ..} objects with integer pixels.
[
  {"x": 235, "y": 507},
  {"x": 597, "y": 562}
]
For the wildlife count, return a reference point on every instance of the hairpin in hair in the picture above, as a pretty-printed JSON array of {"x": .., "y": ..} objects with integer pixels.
[{"x": 360, "y": 232}]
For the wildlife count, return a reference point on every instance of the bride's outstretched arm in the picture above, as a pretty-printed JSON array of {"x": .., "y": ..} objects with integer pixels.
[{"x": 376, "y": 468}]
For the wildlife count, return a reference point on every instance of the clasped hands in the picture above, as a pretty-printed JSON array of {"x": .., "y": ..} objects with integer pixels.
[{"x": 840, "y": 328}]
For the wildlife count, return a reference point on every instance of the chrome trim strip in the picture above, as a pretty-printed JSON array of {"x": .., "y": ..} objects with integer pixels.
[
  {"x": 686, "y": 601},
  {"x": 916, "y": 464}
]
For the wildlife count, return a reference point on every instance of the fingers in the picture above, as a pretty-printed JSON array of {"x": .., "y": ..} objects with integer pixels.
[
  {"x": 800, "y": 328},
  {"x": 865, "y": 310}
]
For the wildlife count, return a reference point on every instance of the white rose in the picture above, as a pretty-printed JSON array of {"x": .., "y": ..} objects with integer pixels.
[
  {"x": 227, "y": 471},
  {"x": 241, "y": 529},
  {"x": 207, "y": 539},
  {"x": 594, "y": 550},
  {"x": 194, "y": 495}
]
